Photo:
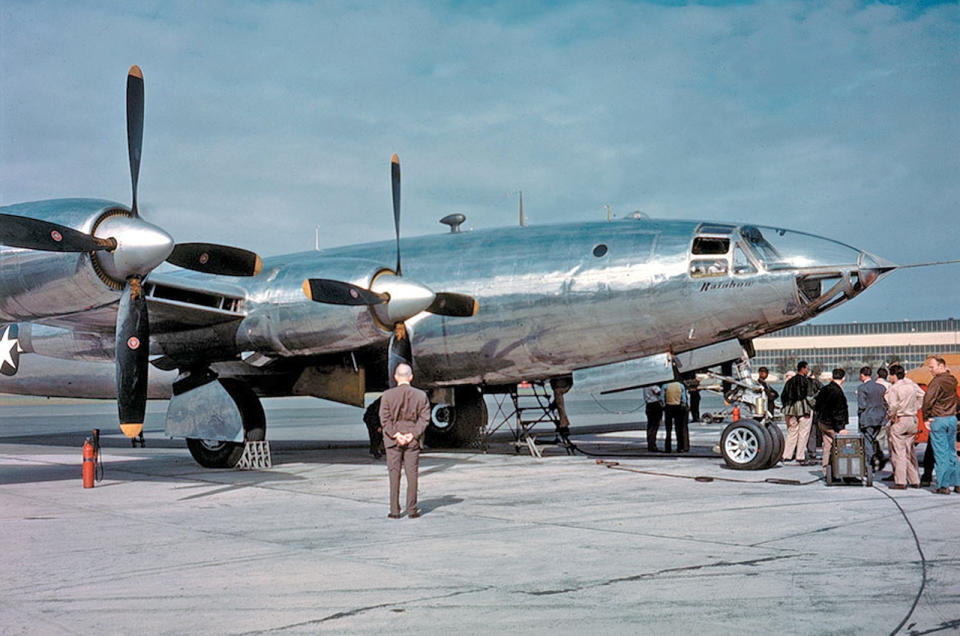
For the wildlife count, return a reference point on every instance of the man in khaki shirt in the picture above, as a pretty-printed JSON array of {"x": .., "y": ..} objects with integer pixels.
[{"x": 903, "y": 399}]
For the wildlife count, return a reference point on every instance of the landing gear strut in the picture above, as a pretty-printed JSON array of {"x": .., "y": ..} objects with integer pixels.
[{"x": 754, "y": 442}]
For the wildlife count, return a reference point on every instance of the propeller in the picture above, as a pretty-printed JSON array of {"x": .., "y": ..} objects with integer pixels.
[
  {"x": 395, "y": 188},
  {"x": 33, "y": 234},
  {"x": 128, "y": 249},
  {"x": 392, "y": 298}
]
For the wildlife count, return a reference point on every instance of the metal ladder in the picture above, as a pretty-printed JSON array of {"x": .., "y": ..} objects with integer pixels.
[{"x": 532, "y": 404}]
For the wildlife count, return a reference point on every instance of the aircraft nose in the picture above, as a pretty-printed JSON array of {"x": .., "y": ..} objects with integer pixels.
[{"x": 872, "y": 268}]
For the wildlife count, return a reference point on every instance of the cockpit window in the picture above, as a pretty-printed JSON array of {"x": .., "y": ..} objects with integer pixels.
[
  {"x": 785, "y": 249},
  {"x": 703, "y": 267},
  {"x": 742, "y": 264},
  {"x": 715, "y": 228},
  {"x": 767, "y": 253},
  {"x": 710, "y": 245}
]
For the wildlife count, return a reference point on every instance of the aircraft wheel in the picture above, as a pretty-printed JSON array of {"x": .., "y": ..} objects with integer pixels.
[
  {"x": 212, "y": 453},
  {"x": 460, "y": 425},
  {"x": 745, "y": 445},
  {"x": 706, "y": 418},
  {"x": 778, "y": 444}
]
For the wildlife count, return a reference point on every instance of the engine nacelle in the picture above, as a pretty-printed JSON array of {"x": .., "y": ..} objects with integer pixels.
[
  {"x": 36, "y": 285},
  {"x": 282, "y": 321}
]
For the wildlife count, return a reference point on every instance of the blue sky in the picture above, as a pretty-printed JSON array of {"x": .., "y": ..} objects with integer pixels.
[{"x": 265, "y": 119}]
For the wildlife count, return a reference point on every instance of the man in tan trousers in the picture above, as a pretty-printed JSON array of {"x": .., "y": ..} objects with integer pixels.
[
  {"x": 404, "y": 415},
  {"x": 903, "y": 398}
]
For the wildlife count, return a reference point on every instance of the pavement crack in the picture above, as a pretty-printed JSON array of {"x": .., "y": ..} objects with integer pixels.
[
  {"x": 651, "y": 575},
  {"x": 361, "y": 610},
  {"x": 951, "y": 625}
]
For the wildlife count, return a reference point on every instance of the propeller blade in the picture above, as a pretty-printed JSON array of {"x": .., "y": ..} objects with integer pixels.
[
  {"x": 211, "y": 258},
  {"x": 134, "y": 127},
  {"x": 132, "y": 355},
  {"x": 450, "y": 304},
  {"x": 335, "y": 292},
  {"x": 399, "y": 351},
  {"x": 395, "y": 183},
  {"x": 34, "y": 234}
]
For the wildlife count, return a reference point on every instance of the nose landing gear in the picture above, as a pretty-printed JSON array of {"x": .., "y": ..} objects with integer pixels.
[{"x": 754, "y": 442}]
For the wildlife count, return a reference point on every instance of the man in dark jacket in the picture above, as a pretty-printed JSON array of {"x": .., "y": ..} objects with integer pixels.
[
  {"x": 871, "y": 415},
  {"x": 797, "y": 413},
  {"x": 762, "y": 374},
  {"x": 371, "y": 418},
  {"x": 832, "y": 415}
]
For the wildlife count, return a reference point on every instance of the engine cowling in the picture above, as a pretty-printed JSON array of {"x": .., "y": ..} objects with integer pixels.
[{"x": 43, "y": 284}]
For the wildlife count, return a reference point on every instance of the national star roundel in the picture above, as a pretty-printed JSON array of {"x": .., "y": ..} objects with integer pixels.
[
  {"x": 56, "y": 236},
  {"x": 10, "y": 350},
  {"x": 133, "y": 343}
]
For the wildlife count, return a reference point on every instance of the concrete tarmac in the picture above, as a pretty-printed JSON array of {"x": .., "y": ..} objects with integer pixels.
[{"x": 650, "y": 544}]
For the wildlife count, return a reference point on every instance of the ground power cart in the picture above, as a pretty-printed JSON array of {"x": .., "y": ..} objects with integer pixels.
[{"x": 848, "y": 461}]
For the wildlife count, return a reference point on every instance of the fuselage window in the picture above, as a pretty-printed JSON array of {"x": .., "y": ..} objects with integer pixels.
[
  {"x": 702, "y": 267},
  {"x": 600, "y": 250},
  {"x": 742, "y": 264},
  {"x": 710, "y": 245}
]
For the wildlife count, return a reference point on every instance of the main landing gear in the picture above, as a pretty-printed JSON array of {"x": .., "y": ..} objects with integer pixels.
[
  {"x": 458, "y": 424},
  {"x": 213, "y": 453}
]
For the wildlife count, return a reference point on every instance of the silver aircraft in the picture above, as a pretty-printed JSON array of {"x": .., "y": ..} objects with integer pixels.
[{"x": 603, "y": 305}]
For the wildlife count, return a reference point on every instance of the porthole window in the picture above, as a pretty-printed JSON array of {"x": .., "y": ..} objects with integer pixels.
[{"x": 600, "y": 250}]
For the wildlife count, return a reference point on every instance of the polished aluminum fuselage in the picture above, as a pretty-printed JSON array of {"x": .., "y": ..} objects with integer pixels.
[{"x": 552, "y": 299}]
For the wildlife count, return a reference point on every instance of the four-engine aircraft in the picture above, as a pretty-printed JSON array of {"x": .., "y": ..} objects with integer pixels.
[{"x": 617, "y": 305}]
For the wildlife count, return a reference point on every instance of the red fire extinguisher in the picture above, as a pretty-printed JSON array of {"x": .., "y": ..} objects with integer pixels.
[
  {"x": 736, "y": 414},
  {"x": 89, "y": 463}
]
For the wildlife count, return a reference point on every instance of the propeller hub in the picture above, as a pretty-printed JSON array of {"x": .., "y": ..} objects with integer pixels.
[
  {"x": 141, "y": 246},
  {"x": 407, "y": 298}
]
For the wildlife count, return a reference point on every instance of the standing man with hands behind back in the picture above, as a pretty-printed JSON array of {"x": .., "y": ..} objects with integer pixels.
[{"x": 404, "y": 415}]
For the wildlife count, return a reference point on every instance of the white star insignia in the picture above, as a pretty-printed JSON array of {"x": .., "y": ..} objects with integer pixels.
[{"x": 6, "y": 349}]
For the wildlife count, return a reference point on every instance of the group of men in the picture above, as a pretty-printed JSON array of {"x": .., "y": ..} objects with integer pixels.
[
  {"x": 885, "y": 408},
  {"x": 672, "y": 403}
]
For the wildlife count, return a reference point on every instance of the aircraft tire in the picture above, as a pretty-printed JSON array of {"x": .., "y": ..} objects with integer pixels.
[
  {"x": 745, "y": 445},
  {"x": 222, "y": 454},
  {"x": 778, "y": 444},
  {"x": 460, "y": 425}
]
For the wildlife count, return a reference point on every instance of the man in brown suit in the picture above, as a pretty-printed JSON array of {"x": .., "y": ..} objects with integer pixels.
[{"x": 404, "y": 415}]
